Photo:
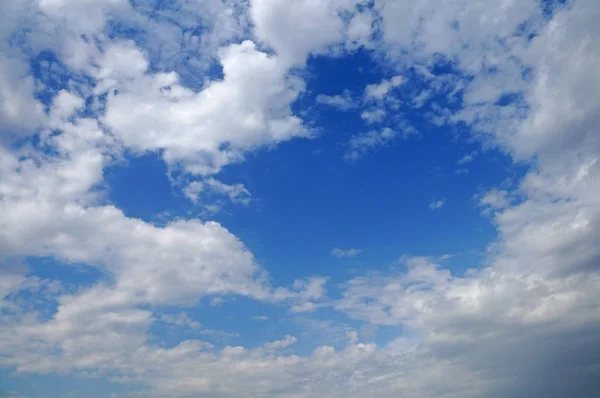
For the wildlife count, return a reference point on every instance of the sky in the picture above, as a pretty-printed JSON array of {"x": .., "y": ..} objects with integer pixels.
[{"x": 299, "y": 198}]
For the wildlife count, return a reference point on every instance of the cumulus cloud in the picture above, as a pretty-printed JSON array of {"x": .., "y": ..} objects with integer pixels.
[
  {"x": 204, "y": 131},
  {"x": 525, "y": 323},
  {"x": 295, "y": 29},
  {"x": 360, "y": 30},
  {"x": 374, "y": 115}
]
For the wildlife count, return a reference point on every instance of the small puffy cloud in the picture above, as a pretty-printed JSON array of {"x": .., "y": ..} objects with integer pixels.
[
  {"x": 495, "y": 199},
  {"x": 438, "y": 204},
  {"x": 380, "y": 90},
  {"x": 308, "y": 306},
  {"x": 193, "y": 189},
  {"x": 305, "y": 295},
  {"x": 237, "y": 193},
  {"x": 181, "y": 320},
  {"x": 340, "y": 253},
  {"x": 468, "y": 158},
  {"x": 375, "y": 115},
  {"x": 343, "y": 102},
  {"x": 280, "y": 344}
]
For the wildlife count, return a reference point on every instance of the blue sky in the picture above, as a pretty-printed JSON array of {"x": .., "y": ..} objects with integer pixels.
[{"x": 269, "y": 198}]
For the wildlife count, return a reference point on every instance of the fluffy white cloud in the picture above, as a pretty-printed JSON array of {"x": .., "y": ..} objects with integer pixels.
[
  {"x": 495, "y": 199},
  {"x": 19, "y": 110},
  {"x": 461, "y": 30},
  {"x": 525, "y": 324},
  {"x": 295, "y": 29},
  {"x": 360, "y": 29},
  {"x": 52, "y": 201},
  {"x": 204, "y": 131},
  {"x": 540, "y": 284},
  {"x": 374, "y": 115},
  {"x": 380, "y": 90}
]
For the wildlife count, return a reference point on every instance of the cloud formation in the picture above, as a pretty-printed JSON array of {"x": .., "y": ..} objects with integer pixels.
[
  {"x": 337, "y": 252},
  {"x": 438, "y": 204},
  {"x": 525, "y": 323}
]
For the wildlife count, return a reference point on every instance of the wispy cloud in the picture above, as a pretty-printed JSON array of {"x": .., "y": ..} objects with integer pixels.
[
  {"x": 340, "y": 253},
  {"x": 468, "y": 158},
  {"x": 343, "y": 102},
  {"x": 380, "y": 90}
]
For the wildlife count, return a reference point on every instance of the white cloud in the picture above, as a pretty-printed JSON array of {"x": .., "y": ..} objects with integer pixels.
[
  {"x": 495, "y": 199},
  {"x": 539, "y": 284},
  {"x": 362, "y": 143},
  {"x": 193, "y": 189},
  {"x": 375, "y": 115},
  {"x": 524, "y": 324},
  {"x": 279, "y": 344},
  {"x": 237, "y": 193},
  {"x": 360, "y": 29},
  {"x": 305, "y": 295},
  {"x": 337, "y": 252},
  {"x": 468, "y": 158},
  {"x": 380, "y": 90},
  {"x": 438, "y": 204},
  {"x": 180, "y": 320},
  {"x": 19, "y": 110},
  {"x": 205, "y": 131},
  {"x": 342, "y": 101},
  {"x": 295, "y": 29}
]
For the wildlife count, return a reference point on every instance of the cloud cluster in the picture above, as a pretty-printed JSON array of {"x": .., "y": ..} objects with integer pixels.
[{"x": 526, "y": 323}]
